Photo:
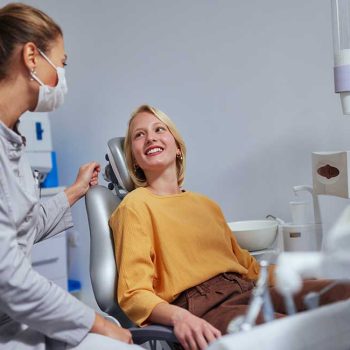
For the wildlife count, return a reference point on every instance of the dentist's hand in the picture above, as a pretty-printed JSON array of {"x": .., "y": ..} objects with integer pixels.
[
  {"x": 87, "y": 176},
  {"x": 111, "y": 330}
]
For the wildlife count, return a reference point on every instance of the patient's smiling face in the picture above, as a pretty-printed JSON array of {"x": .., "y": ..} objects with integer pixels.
[{"x": 153, "y": 146}]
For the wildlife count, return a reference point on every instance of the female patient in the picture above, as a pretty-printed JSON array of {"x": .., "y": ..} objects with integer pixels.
[{"x": 178, "y": 262}]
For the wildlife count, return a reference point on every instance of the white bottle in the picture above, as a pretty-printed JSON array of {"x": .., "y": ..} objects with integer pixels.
[{"x": 301, "y": 235}]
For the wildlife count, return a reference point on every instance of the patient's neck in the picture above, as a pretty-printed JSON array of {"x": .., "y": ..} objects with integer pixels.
[{"x": 163, "y": 184}]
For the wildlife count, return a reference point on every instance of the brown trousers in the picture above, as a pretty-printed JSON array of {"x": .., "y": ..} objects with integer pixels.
[{"x": 226, "y": 296}]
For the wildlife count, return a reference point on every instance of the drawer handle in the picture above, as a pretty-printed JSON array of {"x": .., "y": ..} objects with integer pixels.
[{"x": 44, "y": 262}]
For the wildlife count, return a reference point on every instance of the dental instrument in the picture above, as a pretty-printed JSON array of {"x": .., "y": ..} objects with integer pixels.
[{"x": 260, "y": 301}]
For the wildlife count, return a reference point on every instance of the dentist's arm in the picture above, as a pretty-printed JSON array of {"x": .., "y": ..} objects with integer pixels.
[
  {"x": 54, "y": 215},
  {"x": 87, "y": 176},
  {"x": 28, "y": 297}
]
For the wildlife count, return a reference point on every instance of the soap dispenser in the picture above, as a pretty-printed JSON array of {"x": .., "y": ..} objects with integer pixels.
[{"x": 301, "y": 235}]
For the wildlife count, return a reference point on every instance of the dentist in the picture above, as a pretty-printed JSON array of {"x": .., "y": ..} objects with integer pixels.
[{"x": 34, "y": 312}]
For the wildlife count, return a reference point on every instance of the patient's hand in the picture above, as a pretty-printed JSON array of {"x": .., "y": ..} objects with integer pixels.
[
  {"x": 110, "y": 329},
  {"x": 193, "y": 332}
]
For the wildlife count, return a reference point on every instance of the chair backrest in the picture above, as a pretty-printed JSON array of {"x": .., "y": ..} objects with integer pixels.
[
  {"x": 100, "y": 204},
  {"x": 116, "y": 158}
]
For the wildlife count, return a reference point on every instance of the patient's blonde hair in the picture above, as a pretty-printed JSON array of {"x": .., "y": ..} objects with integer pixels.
[{"x": 136, "y": 173}]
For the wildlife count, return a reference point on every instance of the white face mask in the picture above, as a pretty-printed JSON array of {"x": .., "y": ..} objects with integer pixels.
[{"x": 50, "y": 97}]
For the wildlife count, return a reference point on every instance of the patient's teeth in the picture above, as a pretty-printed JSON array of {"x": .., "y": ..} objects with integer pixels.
[{"x": 154, "y": 150}]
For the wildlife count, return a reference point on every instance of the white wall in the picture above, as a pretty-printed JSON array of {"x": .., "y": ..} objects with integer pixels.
[{"x": 249, "y": 84}]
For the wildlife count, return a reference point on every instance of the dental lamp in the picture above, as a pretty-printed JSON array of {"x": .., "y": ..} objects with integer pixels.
[{"x": 341, "y": 46}]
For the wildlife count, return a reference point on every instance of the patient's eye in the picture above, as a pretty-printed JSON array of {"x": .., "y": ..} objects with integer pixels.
[
  {"x": 160, "y": 129},
  {"x": 138, "y": 134}
]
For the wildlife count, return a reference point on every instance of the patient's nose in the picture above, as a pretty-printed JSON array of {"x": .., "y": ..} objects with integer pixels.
[{"x": 151, "y": 137}]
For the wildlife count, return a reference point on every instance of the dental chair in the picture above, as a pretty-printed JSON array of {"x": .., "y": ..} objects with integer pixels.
[{"x": 100, "y": 204}]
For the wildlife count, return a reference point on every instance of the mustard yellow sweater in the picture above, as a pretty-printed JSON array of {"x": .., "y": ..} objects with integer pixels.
[{"x": 167, "y": 244}]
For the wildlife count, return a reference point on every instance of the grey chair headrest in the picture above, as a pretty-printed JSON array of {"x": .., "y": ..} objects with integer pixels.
[{"x": 117, "y": 160}]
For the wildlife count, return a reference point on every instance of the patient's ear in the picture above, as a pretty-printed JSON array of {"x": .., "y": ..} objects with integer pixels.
[
  {"x": 136, "y": 167},
  {"x": 179, "y": 154}
]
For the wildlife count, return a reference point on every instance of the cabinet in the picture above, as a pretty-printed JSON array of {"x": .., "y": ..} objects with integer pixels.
[{"x": 49, "y": 258}]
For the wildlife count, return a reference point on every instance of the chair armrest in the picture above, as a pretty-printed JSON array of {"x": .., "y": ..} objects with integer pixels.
[
  {"x": 141, "y": 335},
  {"x": 112, "y": 319}
]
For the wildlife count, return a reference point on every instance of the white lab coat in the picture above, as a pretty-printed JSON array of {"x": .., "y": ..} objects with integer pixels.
[{"x": 32, "y": 308}]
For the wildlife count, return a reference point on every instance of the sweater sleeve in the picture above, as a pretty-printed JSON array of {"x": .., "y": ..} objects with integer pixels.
[
  {"x": 245, "y": 258},
  {"x": 249, "y": 262},
  {"x": 133, "y": 239}
]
